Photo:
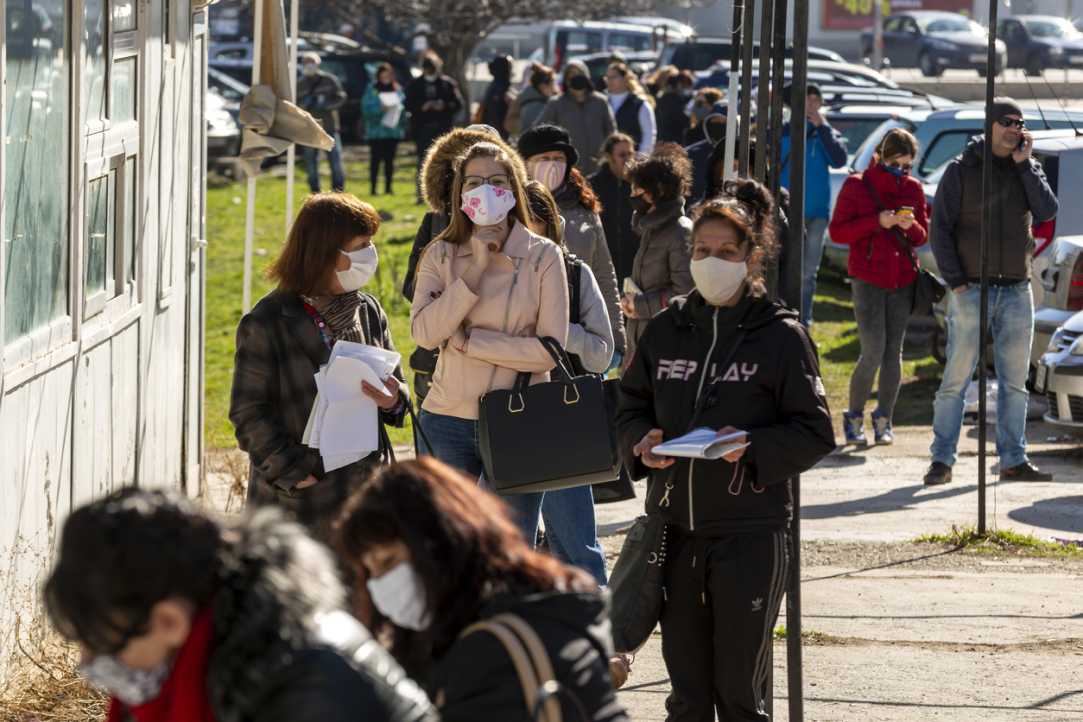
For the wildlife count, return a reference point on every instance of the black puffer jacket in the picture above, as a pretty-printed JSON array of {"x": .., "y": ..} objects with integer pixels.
[
  {"x": 771, "y": 388},
  {"x": 475, "y": 680},
  {"x": 284, "y": 650}
]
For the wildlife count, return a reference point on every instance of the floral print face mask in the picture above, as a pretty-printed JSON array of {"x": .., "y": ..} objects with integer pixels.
[{"x": 486, "y": 205}]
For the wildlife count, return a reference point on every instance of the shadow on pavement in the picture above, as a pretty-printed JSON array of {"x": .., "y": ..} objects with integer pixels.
[
  {"x": 1064, "y": 514},
  {"x": 891, "y": 501}
]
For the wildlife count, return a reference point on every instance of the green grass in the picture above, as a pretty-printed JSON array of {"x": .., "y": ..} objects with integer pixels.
[
  {"x": 780, "y": 634},
  {"x": 225, "y": 266},
  {"x": 1000, "y": 541},
  {"x": 834, "y": 329}
]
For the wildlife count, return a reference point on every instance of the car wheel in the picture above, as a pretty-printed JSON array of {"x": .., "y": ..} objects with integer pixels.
[
  {"x": 1034, "y": 65},
  {"x": 982, "y": 72},
  {"x": 866, "y": 58},
  {"x": 929, "y": 67}
]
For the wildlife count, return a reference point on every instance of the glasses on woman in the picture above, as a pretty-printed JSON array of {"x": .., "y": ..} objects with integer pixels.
[
  {"x": 1006, "y": 122},
  {"x": 500, "y": 180}
]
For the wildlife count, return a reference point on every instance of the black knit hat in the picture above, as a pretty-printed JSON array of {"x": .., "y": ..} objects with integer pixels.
[
  {"x": 544, "y": 138},
  {"x": 1005, "y": 106},
  {"x": 810, "y": 89}
]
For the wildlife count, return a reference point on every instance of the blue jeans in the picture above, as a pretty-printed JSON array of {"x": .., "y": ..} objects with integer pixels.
[
  {"x": 1011, "y": 320},
  {"x": 569, "y": 513},
  {"x": 334, "y": 157},
  {"x": 810, "y": 264}
]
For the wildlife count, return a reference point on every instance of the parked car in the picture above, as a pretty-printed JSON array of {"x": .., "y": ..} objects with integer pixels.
[
  {"x": 823, "y": 72},
  {"x": 231, "y": 91},
  {"x": 1037, "y": 42},
  {"x": 567, "y": 39},
  {"x": 701, "y": 52},
  {"x": 223, "y": 133},
  {"x": 597, "y": 63},
  {"x": 934, "y": 41},
  {"x": 351, "y": 63},
  {"x": 1059, "y": 376}
]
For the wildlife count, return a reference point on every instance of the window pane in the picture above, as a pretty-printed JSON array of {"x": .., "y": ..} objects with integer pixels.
[
  {"x": 97, "y": 35},
  {"x": 35, "y": 206},
  {"x": 123, "y": 15},
  {"x": 124, "y": 87},
  {"x": 97, "y": 235},
  {"x": 129, "y": 219}
]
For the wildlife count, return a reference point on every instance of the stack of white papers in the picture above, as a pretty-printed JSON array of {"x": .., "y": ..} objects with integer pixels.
[
  {"x": 702, "y": 444},
  {"x": 391, "y": 100},
  {"x": 344, "y": 423}
]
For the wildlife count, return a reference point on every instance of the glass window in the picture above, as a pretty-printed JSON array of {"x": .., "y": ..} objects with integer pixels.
[
  {"x": 945, "y": 147},
  {"x": 96, "y": 37},
  {"x": 893, "y": 25},
  {"x": 629, "y": 41},
  {"x": 35, "y": 206},
  {"x": 99, "y": 235},
  {"x": 123, "y": 15},
  {"x": 129, "y": 220},
  {"x": 124, "y": 89}
]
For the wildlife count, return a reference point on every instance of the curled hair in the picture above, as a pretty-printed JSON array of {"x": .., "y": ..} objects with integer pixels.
[
  {"x": 747, "y": 206},
  {"x": 897, "y": 142},
  {"x": 323, "y": 226},
  {"x": 462, "y": 542},
  {"x": 585, "y": 194},
  {"x": 541, "y": 74},
  {"x": 545, "y": 211},
  {"x": 666, "y": 173}
]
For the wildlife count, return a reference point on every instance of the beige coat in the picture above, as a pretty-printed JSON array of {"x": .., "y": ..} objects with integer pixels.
[{"x": 523, "y": 295}]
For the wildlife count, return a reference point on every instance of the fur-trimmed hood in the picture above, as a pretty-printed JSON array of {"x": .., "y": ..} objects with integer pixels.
[{"x": 436, "y": 169}]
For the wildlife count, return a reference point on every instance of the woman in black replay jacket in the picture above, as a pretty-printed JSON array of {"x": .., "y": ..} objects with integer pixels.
[{"x": 727, "y": 520}]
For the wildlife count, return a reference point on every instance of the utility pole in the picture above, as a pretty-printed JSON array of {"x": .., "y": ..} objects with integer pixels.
[
  {"x": 986, "y": 219},
  {"x": 877, "y": 34}
]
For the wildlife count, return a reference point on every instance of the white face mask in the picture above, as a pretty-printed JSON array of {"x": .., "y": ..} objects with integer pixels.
[
  {"x": 786, "y": 113},
  {"x": 132, "y": 687},
  {"x": 310, "y": 69},
  {"x": 486, "y": 205},
  {"x": 717, "y": 280},
  {"x": 363, "y": 263},
  {"x": 400, "y": 596},
  {"x": 550, "y": 173}
]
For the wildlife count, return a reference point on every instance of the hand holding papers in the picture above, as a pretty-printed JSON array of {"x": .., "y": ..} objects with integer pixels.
[
  {"x": 703, "y": 444},
  {"x": 344, "y": 424},
  {"x": 390, "y": 100}
]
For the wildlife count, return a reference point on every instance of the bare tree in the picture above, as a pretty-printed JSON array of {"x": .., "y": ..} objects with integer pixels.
[{"x": 454, "y": 28}]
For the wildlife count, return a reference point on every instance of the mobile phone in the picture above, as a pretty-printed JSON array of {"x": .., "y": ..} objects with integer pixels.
[
  {"x": 1022, "y": 143},
  {"x": 905, "y": 211}
]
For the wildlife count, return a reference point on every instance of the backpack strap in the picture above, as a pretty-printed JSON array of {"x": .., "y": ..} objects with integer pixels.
[{"x": 574, "y": 268}]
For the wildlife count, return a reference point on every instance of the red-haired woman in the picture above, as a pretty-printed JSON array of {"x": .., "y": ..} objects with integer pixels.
[
  {"x": 726, "y": 358},
  {"x": 285, "y": 339},
  {"x": 441, "y": 554}
]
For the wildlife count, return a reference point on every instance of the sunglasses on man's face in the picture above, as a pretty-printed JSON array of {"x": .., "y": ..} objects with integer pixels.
[{"x": 1006, "y": 122}]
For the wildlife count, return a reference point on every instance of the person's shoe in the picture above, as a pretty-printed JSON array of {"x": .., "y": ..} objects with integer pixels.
[
  {"x": 619, "y": 669},
  {"x": 388, "y": 191},
  {"x": 1026, "y": 471},
  {"x": 881, "y": 427},
  {"x": 852, "y": 426},
  {"x": 939, "y": 473}
]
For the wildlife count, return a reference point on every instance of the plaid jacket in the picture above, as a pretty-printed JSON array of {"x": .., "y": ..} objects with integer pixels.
[{"x": 279, "y": 350}]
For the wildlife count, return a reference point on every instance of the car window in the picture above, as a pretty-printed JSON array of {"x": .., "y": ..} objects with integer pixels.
[
  {"x": 1053, "y": 29},
  {"x": 906, "y": 25},
  {"x": 854, "y": 130},
  {"x": 347, "y": 70},
  {"x": 943, "y": 148},
  {"x": 581, "y": 42},
  {"x": 629, "y": 41},
  {"x": 943, "y": 25},
  {"x": 700, "y": 56},
  {"x": 231, "y": 54},
  {"x": 893, "y": 25}
]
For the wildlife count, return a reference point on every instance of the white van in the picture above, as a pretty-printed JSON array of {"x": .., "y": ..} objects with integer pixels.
[{"x": 567, "y": 39}]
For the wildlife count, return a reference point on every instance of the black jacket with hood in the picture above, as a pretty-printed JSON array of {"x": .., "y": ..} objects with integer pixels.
[
  {"x": 284, "y": 649},
  {"x": 771, "y": 388},
  {"x": 476, "y": 680}
]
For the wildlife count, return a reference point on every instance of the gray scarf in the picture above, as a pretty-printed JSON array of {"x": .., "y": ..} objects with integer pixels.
[{"x": 342, "y": 314}]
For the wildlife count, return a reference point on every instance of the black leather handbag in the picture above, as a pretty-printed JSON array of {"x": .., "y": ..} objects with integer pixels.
[
  {"x": 549, "y": 436},
  {"x": 928, "y": 291}
]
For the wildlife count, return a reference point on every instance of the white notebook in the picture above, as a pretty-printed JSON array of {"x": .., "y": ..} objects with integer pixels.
[{"x": 702, "y": 444}]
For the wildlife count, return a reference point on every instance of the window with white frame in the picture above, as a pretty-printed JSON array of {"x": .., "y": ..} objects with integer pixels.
[
  {"x": 110, "y": 95},
  {"x": 37, "y": 146}
]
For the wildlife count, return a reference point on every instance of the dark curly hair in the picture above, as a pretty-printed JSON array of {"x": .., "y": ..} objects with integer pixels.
[
  {"x": 588, "y": 199},
  {"x": 748, "y": 207},
  {"x": 666, "y": 173}
]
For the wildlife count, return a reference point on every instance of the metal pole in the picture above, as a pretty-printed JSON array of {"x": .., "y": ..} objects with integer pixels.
[
  {"x": 250, "y": 218},
  {"x": 291, "y": 154},
  {"x": 986, "y": 216},
  {"x": 792, "y": 284},
  {"x": 731, "y": 99},
  {"x": 764, "y": 89},
  {"x": 746, "y": 85},
  {"x": 778, "y": 78},
  {"x": 877, "y": 34}
]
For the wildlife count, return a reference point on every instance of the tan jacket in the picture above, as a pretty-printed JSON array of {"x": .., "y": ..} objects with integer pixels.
[{"x": 522, "y": 295}]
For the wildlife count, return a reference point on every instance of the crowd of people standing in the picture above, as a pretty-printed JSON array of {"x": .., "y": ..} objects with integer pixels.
[{"x": 565, "y": 219}]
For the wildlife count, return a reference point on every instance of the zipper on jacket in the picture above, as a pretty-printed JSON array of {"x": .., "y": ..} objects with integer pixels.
[
  {"x": 702, "y": 379},
  {"x": 507, "y": 312}
]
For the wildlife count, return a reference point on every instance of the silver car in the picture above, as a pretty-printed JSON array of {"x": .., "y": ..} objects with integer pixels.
[{"x": 1060, "y": 376}]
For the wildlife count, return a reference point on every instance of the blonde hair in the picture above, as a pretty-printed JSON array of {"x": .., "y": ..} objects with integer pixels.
[
  {"x": 461, "y": 227},
  {"x": 633, "y": 82},
  {"x": 659, "y": 77}
]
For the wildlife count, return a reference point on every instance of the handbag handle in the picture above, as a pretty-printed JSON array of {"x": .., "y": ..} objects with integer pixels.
[
  {"x": 416, "y": 423},
  {"x": 898, "y": 235},
  {"x": 559, "y": 356}
]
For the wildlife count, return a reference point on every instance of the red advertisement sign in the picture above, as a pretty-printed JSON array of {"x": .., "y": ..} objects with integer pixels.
[{"x": 849, "y": 14}]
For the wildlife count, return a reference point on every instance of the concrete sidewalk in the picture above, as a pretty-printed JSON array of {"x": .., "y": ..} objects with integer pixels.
[{"x": 930, "y": 633}]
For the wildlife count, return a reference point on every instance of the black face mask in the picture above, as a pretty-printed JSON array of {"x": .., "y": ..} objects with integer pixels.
[
  {"x": 640, "y": 205},
  {"x": 579, "y": 83}
]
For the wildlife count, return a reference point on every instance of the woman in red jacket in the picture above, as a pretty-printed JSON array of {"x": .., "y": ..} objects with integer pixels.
[{"x": 881, "y": 215}]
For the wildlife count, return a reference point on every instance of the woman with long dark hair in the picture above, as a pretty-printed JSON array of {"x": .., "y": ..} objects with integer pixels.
[
  {"x": 384, "y": 124},
  {"x": 439, "y": 555},
  {"x": 724, "y": 357}
]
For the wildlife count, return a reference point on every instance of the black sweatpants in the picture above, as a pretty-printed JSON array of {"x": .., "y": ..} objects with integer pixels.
[
  {"x": 383, "y": 151},
  {"x": 722, "y": 601}
]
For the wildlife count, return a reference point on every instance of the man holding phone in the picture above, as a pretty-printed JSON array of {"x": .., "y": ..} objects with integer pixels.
[{"x": 1021, "y": 196}]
